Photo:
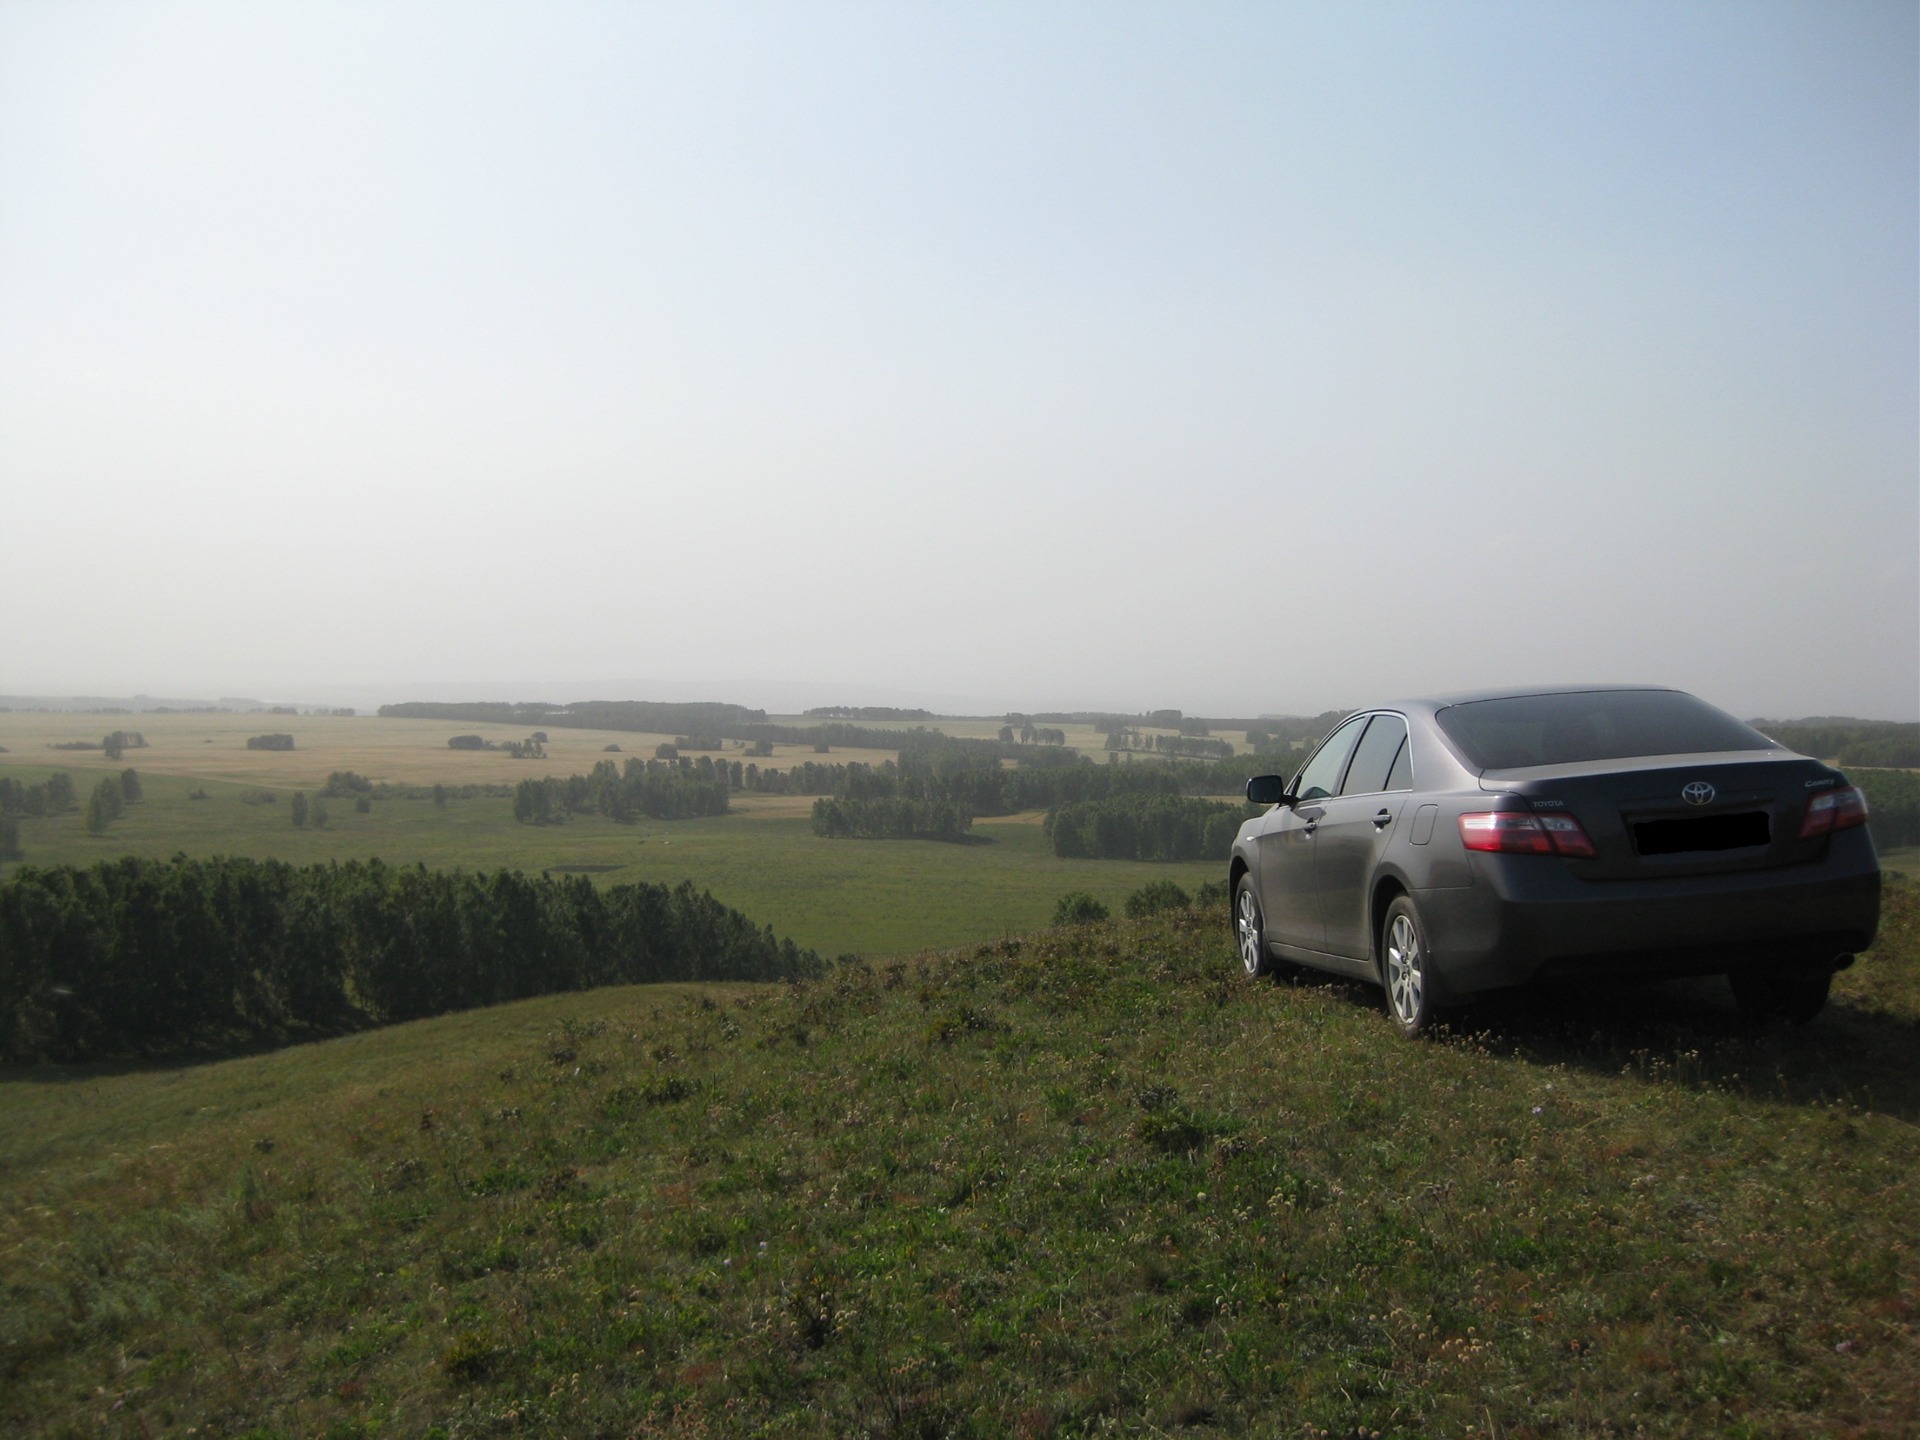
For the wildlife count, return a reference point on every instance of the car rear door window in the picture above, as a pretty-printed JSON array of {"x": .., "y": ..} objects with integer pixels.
[
  {"x": 1373, "y": 759},
  {"x": 1320, "y": 776},
  {"x": 1401, "y": 776}
]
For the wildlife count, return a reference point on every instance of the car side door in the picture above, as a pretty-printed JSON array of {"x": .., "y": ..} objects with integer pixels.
[
  {"x": 1354, "y": 832},
  {"x": 1289, "y": 901}
]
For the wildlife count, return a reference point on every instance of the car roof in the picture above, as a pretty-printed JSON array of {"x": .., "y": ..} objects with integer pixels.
[{"x": 1433, "y": 704}]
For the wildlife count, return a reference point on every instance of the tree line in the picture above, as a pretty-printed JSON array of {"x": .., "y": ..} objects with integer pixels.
[
  {"x": 866, "y": 712},
  {"x": 890, "y": 817},
  {"x": 1889, "y": 744},
  {"x": 110, "y": 799},
  {"x": 54, "y": 795},
  {"x": 1189, "y": 746},
  {"x": 1030, "y": 734},
  {"x": 116, "y": 743},
  {"x": 657, "y": 789},
  {"x": 985, "y": 787},
  {"x": 1144, "y": 827},
  {"x": 715, "y": 721},
  {"x": 136, "y": 956},
  {"x": 51, "y": 796}
]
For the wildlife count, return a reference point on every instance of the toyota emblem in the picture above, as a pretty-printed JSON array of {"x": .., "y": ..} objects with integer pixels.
[{"x": 1698, "y": 793}]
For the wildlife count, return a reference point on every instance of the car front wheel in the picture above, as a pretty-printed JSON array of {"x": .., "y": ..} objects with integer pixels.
[
  {"x": 1249, "y": 932},
  {"x": 1403, "y": 968}
]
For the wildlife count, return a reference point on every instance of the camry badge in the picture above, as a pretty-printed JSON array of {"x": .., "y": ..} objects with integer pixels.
[{"x": 1698, "y": 793}]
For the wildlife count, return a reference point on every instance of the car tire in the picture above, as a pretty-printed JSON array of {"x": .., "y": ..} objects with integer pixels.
[
  {"x": 1792, "y": 993},
  {"x": 1406, "y": 968},
  {"x": 1249, "y": 930}
]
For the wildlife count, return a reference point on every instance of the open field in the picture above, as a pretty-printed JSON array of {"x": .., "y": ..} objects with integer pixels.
[
  {"x": 830, "y": 895},
  {"x": 1082, "y": 1183},
  {"x": 412, "y": 752},
  {"x": 401, "y": 752}
]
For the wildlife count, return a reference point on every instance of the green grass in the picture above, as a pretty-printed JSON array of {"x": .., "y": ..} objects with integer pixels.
[
  {"x": 834, "y": 896},
  {"x": 1085, "y": 1182}
]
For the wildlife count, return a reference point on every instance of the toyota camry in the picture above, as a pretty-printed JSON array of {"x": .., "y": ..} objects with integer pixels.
[{"x": 1444, "y": 847}]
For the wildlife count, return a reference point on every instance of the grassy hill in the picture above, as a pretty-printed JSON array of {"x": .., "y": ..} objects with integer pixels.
[{"x": 1084, "y": 1182}]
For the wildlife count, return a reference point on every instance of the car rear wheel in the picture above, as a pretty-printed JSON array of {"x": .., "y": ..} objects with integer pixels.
[
  {"x": 1249, "y": 932},
  {"x": 1403, "y": 968},
  {"x": 1795, "y": 994}
]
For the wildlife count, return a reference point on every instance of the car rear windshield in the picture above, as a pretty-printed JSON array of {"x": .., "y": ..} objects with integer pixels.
[{"x": 1567, "y": 729}]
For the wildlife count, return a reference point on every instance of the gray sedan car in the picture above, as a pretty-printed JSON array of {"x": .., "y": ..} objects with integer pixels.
[{"x": 1444, "y": 847}]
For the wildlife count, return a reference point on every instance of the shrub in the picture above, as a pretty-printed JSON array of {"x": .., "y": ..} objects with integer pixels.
[
  {"x": 1077, "y": 907},
  {"x": 270, "y": 742},
  {"x": 1152, "y": 899}
]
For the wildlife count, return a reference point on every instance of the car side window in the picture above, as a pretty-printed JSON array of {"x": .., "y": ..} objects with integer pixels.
[
  {"x": 1320, "y": 776},
  {"x": 1373, "y": 759},
  {"x": 1401, "y": 776}
]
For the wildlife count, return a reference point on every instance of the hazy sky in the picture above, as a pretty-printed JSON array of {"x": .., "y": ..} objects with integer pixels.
[{"x": 1241, "y": 358}]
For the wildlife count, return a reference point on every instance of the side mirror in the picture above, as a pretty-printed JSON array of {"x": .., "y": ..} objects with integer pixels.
[{"x": 1267, "y": 789}]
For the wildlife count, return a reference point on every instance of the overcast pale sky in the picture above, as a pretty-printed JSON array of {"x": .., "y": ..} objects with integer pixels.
[{"x": 1241, "y": 358}]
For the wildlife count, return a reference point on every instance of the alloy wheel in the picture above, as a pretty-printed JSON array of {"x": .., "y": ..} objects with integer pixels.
[
  {"x": 1406, "y": 979},
  {"x": 1247, "y": 929}
]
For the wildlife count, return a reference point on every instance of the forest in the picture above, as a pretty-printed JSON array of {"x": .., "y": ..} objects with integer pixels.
[{"x": 132, "y": 956}]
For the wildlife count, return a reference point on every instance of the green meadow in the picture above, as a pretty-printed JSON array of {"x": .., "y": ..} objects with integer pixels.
[
  {"x": 1086, "y": 1182},
  {"x": 834, "y": 896},
  {"x": 985, "y": 1178}
]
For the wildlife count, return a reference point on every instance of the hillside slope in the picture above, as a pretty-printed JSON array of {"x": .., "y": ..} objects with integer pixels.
[{"x": 1086, "y": 1182}]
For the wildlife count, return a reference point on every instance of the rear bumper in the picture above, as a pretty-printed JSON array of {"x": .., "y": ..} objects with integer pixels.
[{"x": 1527, "y": 918}]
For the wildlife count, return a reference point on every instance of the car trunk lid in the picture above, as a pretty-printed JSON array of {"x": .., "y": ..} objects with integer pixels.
[{"x": 1678, "y": 814}]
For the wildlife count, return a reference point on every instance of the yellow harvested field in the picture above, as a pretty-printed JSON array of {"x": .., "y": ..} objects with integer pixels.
[{"x": 401, "y": 752}]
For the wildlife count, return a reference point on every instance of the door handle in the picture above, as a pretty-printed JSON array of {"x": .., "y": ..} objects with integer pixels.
[{"x": 1383, "y": 819}]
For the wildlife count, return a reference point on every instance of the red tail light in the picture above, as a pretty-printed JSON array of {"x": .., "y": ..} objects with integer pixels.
[
  {"x": 1514, "y": 832},
  {"x": 1830, "y": 810}
]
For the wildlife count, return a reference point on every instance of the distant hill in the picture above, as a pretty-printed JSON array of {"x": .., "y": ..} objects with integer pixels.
[{"x": 656, "y": 717}]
